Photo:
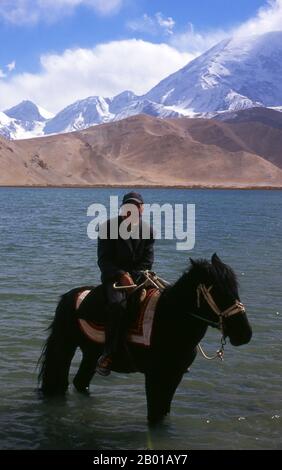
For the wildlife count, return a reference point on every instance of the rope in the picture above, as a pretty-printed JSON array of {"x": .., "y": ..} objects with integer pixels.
[{"x": 217, "y": 355}]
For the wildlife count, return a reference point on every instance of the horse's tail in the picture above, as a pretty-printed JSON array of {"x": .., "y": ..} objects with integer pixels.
[{"x": 58, "y": 351}]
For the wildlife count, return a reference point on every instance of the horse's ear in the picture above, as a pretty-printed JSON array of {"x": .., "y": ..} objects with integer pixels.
[
  {"x": 215, "y": 260},
  {"x": 193, "y": 263}
]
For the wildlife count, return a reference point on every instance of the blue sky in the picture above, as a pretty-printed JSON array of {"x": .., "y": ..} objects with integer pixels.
[
  {"x": 175, "y": 31},
  {"x": 85, "y": 28}
]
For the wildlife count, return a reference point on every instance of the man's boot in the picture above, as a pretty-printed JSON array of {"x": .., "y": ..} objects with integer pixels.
[{"x": 114, "y": 332}]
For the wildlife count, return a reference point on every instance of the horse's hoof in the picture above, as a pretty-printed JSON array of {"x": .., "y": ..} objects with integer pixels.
[
  {"x": 47, "y": 393},
  {"x": 154, "y": 421},
  {"x": 81, "y": 389},
  {"x": 84, "y": 391}
]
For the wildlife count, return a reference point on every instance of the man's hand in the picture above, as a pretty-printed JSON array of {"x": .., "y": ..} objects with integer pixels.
[{"x": 125, "y": 280}]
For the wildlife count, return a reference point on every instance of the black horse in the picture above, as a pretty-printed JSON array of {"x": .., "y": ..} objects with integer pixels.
[{"x": 205, "y": 295}]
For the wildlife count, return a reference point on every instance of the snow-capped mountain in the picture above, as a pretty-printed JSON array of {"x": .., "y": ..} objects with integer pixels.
[
  {"x": 23, "y": 121},
  {"x": 89, "y": 112},
  {"x": 236, "y": 74},
  {"x": 121, "y": 101},
  {"x": 144, "y": 106},
  {"x": 98, "y": 110},
  {"x": 14, "y": 129},
  {"x": 28, "y": 111},
  {"x": 79, "y": 115}
]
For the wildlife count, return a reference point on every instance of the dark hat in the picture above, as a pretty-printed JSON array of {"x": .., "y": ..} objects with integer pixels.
[{"x": 132, "y": 197}]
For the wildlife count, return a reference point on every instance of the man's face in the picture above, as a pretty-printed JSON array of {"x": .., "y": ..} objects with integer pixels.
[{"x": 137, "y": 211}]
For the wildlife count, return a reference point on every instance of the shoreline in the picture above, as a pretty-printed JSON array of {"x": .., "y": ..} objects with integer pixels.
[{"x": 143, "y": 186}]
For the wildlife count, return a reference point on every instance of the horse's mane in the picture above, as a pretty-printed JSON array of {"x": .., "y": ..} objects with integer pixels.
[
  {"x": 225, "y": 276},
  {"x": 201, "y": 270}
]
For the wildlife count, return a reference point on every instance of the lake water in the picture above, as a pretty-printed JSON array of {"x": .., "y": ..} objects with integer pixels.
[{"x": 45, "y": 251}]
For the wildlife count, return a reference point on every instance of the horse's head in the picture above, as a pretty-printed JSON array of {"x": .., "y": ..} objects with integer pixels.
[{"x": 217, "y": 299}]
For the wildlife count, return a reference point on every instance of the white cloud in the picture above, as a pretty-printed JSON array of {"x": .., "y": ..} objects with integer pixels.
[
  {"x": 11, "y": 66},
  {"x": 268, "y": 18},
  {"x": 157, "y": 24},
  {"x": 197, "y": 42},
  {"x": 166, "y": 23},
  {"x": 105, "y": 70},
  {"x": 33, "y": 11},
  {"x": 145, "y": 24},
  {"x": 2, "y": 74}
]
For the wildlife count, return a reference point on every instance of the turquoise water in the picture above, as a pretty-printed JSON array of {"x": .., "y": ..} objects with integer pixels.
[{"x": 45, "y": 251}]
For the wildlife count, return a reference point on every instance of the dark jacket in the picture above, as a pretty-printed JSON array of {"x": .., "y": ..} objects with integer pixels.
[{"x": 116, "y": 256}]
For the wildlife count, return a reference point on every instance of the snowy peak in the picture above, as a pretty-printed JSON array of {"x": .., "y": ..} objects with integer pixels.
[
  {"x": 97, "y": 110},
  {"x": 11, "y": 128},
  {"x": 27, "y": 111},
  {"x": 23, "y": 121},
  {"x": 235, "y": 74},
  {"x": 79, "y": 115},
  {"x": 121, "y": 101}
]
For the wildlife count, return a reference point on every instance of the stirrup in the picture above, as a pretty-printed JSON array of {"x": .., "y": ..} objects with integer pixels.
[{"x": 104, "y": 365}]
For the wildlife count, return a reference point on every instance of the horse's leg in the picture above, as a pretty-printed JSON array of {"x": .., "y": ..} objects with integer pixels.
[
  {"x": 173, "y": 382},
  {"x": 175, "y": 376},
  {"x": 86, "y": 369},
  {"x": 65, "y": 367},
  {"x": 162, "y": 382},
  {"x": 56, "y": 371},
  {"x": 160, "y": 389}
]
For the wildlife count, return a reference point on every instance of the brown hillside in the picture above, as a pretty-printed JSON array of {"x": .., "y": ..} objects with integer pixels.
[{"x": 145, "y": 150}]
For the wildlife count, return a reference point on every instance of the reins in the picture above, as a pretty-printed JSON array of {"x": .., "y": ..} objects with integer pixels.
[{"x": 150, "y": 279}]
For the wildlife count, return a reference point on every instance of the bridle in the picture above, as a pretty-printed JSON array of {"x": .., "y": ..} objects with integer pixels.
[{"x": 236, "y": 308}]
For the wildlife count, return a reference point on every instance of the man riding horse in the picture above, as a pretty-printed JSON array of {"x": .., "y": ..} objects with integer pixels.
[{"x": 120, "y": 261}]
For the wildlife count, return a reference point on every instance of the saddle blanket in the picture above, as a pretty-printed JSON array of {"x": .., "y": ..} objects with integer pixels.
[{"x": 139, "y": 333}]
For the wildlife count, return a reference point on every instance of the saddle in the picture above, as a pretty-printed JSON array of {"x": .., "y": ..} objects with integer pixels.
[
  {"x": 91, "y": 311},
  {"x": 140, "y": 330}
]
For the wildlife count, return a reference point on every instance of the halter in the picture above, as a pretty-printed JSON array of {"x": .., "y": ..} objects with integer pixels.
[{"x": 236, "y": 308}]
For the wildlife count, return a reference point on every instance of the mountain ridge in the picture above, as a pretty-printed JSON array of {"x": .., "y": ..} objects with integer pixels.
[
  {"x": 143, "y": 150},
  {"x": 235, "y": 74}
]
